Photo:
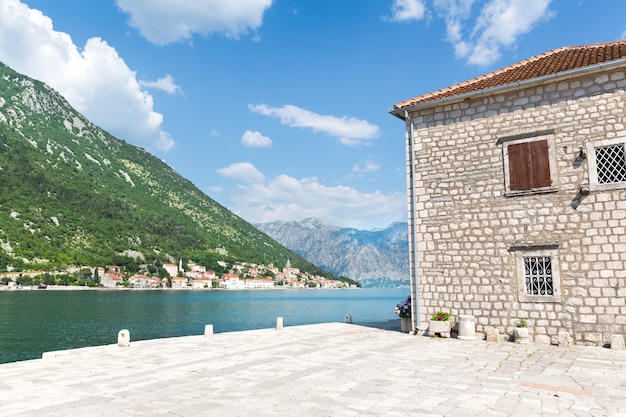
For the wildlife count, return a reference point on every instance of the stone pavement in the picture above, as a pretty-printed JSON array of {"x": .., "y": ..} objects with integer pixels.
[{"x": 333, "y": 369}]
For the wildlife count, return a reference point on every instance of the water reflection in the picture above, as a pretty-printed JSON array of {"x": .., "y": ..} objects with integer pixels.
[{"x": 33, "y": 322}]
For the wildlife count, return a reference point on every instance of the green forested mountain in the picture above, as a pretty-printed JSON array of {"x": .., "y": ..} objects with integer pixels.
[{"x": 70, "y": 193}]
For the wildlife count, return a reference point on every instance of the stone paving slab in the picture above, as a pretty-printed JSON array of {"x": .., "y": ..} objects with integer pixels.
[{"x": 333, "y": 369}]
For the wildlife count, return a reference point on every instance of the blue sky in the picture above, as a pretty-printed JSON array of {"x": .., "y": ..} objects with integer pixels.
[{"x": 278, "y": 109}]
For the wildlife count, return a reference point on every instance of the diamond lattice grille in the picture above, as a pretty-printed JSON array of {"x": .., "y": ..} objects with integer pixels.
[
  {"x": 611, "y": 164},
  {"x": 538, "y": 275}
]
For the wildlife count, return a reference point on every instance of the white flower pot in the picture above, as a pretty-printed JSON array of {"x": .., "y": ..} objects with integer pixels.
[
  {"x": 441, "y": 327},
  {"x": 521, "y": 335}
]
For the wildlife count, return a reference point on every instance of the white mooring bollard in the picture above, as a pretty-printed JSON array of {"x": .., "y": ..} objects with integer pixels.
[
  {"x": 208, "y": 330},
  {"x": 279, "y": 323},
  {"x": 467, "y": 327},
  {"x": 123, "y": 338}
]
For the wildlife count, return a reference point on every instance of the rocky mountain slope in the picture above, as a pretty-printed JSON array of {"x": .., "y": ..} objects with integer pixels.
[
  {"x": 70, "y": 193},
  {"x": 373, "y": 258}
]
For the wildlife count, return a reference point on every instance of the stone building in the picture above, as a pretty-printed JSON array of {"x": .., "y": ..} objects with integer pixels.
[{"x": 517, "y": 197}]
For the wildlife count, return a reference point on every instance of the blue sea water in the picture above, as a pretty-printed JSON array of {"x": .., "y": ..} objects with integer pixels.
[{"x": 33, "y": 322}]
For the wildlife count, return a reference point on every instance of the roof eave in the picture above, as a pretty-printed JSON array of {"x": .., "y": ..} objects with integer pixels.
[{"x": 402, "y": 111}]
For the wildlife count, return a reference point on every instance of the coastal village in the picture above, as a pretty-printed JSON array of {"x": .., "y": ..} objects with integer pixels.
[{"x": 192, "y": 276}]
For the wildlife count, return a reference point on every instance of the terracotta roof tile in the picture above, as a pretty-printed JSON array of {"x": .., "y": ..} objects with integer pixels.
[{"x": 552, "y": 62}]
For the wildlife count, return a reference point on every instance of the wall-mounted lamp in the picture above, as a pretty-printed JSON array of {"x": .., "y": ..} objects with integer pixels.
[{"x": 582, "y": 154}]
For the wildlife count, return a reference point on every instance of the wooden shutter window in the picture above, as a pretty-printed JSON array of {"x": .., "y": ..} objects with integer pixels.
[
  {"x": 529, "y": 165},
  {"x": 540, "y": 164},
  {"x": 519, "y": 173}
]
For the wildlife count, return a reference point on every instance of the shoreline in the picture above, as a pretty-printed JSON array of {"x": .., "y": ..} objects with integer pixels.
[{"x": 83, "y": 288}]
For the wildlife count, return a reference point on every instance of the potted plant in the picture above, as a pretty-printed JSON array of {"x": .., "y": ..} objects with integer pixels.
[
  {"x": 403, "y": 310},
  {"x": 520, "y": 334},
  {"x": 440, "y": 323}
]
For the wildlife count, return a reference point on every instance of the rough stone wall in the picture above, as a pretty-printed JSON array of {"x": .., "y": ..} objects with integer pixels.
[{"x": 466, "y": 225}]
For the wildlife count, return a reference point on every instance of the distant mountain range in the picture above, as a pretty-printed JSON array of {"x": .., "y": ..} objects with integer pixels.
[
  {"x": 373, "y": 258},
  {"x": 70, "y": 193}
]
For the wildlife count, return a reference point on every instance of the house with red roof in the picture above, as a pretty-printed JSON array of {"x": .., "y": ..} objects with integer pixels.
[
  {"x": 331, "y": 283},
  {"x": 172, "y": 269},
  {"x": 259, "y": 283},
  {"x": 179, "y": 283},
  {"x": 143, "y": 281},
  {"x": 231, "y": 281},
  {"x": 516, "y": 196},
  {"x": 201, "y": 283},
  {"x": 111, "y": 280}
]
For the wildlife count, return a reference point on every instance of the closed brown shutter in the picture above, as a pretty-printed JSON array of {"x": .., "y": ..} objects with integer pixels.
[
  {"x": 529, "y": 165},
  {"x": 519, "y": 173},
  {"x": 540, "y": 164}
]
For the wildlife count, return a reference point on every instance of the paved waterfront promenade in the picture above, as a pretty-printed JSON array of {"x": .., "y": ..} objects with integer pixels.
[{"x": 320, "y": 370}]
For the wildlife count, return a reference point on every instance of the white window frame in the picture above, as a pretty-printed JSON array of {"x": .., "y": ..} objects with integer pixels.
[
  {"x": 550, "y": 251},
  {"x": 591, "y": 165},
  {"x": 505, "y": 141}
]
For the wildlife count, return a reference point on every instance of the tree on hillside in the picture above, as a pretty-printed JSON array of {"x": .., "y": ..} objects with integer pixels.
[{"x": 96, "y": 276}]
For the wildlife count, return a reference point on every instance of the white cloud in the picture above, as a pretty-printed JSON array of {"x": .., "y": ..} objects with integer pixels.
[
  {"x": 216, "y": 189},
  {"x": 498, "y": 25},
  {"x": 455, "y": 12},
  {"x": 164, "y": 84},
  {"x": 287, "y": 198},
  {"x": 95, "y": 81},
  {"x": 166, "y": 21},
  {"x": 255, "y": 139},
  {"x": 243, "y": 171},
  {"x": 407, "y": 10},
  {"x": 350, "y": 131},
  {"x": 365, "y": 167}
]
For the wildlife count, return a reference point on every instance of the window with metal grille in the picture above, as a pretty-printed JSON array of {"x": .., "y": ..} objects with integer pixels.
[
  {"x": 538, "y": 275},
  {"x": 611, "y": 164},
  {"x": 537, "y": 272},
  {"x": 607, "y": 164}
]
